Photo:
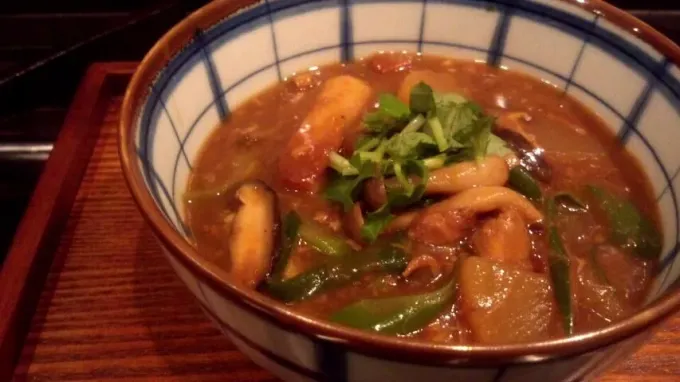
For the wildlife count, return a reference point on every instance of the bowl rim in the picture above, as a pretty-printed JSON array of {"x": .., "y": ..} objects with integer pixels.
[{"x": 355, "y": 340}]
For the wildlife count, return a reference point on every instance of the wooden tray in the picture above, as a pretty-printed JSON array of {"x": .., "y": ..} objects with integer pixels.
[{"x": 85, "y": 293}]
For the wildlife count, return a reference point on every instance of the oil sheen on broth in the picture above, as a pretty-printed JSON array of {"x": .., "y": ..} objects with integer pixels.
[{"x": 421, "y": 196}]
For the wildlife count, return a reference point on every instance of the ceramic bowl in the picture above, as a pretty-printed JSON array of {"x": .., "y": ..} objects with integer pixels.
[{"x": 230, "y": 50}]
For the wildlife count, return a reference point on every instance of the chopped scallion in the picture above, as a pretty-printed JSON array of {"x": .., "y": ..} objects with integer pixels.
[
  {"x": 342, "y": 165},
  {"x": 438, "y": 133},
  {"x": 415, "y": 124}
]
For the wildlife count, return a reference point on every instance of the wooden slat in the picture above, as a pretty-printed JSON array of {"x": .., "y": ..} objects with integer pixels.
[
  {"x": 111, "y": 307},
  {"x": 23, "y": 271}
]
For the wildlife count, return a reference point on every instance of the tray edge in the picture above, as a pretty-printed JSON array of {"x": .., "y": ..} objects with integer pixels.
[{"x": 29, "y": 258}]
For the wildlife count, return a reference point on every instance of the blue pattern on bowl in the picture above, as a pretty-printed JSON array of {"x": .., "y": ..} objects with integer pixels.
[{"x": 627, "y": 82}]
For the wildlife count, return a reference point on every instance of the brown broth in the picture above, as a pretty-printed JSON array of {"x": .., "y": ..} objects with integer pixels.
[{"x": 578, "y": 145}]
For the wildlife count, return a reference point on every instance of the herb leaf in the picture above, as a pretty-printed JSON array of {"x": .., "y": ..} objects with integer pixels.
[
  {"x": 497, "y": 146},
  {"x": 440, "y": 135},
  {"x": 343, "y": 189},
  {"x": 341, "y": 164},
  {"x": 408, "y": 192},
  {"x": 375, "y": 222},
  {"x": 422, "y": 99},
  {"x": 461, "y": 119},
  {"x": 445, "y": 100},
  {"x": 465, "y": 125},
  {"x": 391, "y": 114},
  {"x": 409, "y": 145},
  {"x": 367, "y": 142},
  {"x": 479, "y": 141},
  {"x": 415, "y": 124},
  {"x": 403, "y": 141},
  {"x": 393, "y": 107}
]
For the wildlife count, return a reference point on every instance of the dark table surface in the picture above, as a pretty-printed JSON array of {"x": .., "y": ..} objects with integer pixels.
[
  {"x": 45, "y": 48},
  {"x": 37, "y": 81}
]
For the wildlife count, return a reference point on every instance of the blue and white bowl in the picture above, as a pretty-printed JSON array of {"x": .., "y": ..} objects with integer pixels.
[{"x": 230, "y": 50}]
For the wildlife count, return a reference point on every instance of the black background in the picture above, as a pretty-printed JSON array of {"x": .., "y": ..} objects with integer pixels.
[{"x": 45, "y": 46}]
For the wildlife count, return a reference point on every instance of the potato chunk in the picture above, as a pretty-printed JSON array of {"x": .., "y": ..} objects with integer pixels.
[{"x": 503, "y": 304}]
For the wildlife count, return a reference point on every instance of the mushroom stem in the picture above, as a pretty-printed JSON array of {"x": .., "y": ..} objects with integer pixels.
[
  {"x": 490, "y": 171},
  {"x": 486, "y": 199}
]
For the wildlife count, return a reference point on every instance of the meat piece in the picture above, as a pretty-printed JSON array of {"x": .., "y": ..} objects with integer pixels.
[
  {"x": 438, "y": 226},
  {"x": 446, "y": 222},
  {"x": 340, "y": 103},
  {"x": 504, "y": 238}
]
